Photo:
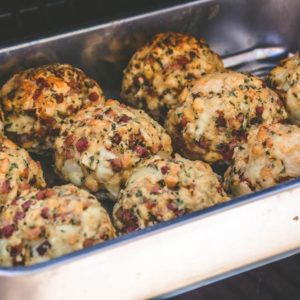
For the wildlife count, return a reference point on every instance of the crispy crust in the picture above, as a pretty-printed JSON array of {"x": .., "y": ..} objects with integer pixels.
[
  {"x": 43, "y": 224},
  {"x": 162, "y": 189},
  {"x": 270, "y": 155},
  {"x": 103, "y": 144},
  {"x": 36, "y": 102},
  {"x": 285, "y": 80},
  {"x": 17, "y": 171},
  {"x": 158, "y": 71},
  {"x": 216, "y": 112}
]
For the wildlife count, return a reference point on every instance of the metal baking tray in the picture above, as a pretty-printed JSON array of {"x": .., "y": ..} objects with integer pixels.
[{"x": 198, "y": 248}]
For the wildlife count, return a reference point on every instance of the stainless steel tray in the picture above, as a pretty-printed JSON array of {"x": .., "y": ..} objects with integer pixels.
[{"x": 198, "y": 248}]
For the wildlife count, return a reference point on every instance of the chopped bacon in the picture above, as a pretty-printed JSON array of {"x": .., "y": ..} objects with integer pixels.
[
  {"x": 124, "y": 119},
  {"x": 24, "y": 186},
  {"x": 164, "y": 170},
  {"x": 40, "y": 195},
  {"x": 155, "y": 189},
  {"x": 82, "y": 144},
  {"x": 26, "y": 205},
  {"x": 7, "y": 231},
  {"x": 93, "y": 96},
  {"x": 117, "y": 138},
  {"x": 45, "y": 213},
  {"x": 116, "y": 164},
  {"x": 43, "y": 248},
  {"x": 69, "y": 140},
  {"x": 141, "y": 151},
  {"x": 88, "y": 243},
  {"x": 19, "y": 216},
  {"x": 5, "y": 187}
]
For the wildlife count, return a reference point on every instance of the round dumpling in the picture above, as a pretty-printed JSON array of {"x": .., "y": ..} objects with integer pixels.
[
  {"x": 216, "y": 111},
  {"x": 285, "y": 80},
  {"x": 44, "y": 224},
  {"x": 36, "y": 102},
  {"x": 158, "y": 71},
  {"x": 17, "y": 171},
  {"x": 162, "y": 189},
  {"x": 270, "y": 155},
  {"x": 103, "y": 144}
]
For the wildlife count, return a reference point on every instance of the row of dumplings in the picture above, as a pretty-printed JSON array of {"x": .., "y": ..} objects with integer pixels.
[{"x": 214, "y": 116}]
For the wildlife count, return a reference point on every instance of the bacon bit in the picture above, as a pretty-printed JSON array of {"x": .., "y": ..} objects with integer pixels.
[
  {"x": 36, "y": 94},
  {"x": 117, "y": 138},
  {"x": 116, "y": 164},
  {"x": 19, "y": 216},
  {"x": 7, "y": 231},
  {"x": 240, "y": 117},
  {"x": 124, "y": 119},
  {"x": 49, "y": 192},
  {"x": 172, "y": 206},
  {"x": 69, "y": 140},
  {"x": 5, "y": 187},
  {"x": 93, "y": 96},
  {"x": 203, "y": 144},
  {"x": 226, "y": 152},
  {"x": 183, "y": 122},
  {"x": 220, "y": 122},
  {"x": 180, "y": 212},
  {"x": 71, "y": 109},
  {"x": 283, "y": 179},
  {"x": 82, "y": 144},
  {"x": 88, "y": 243},
  {"x": 26, "y": 205},
  {"x": 132, "y": 227},
  {"x": 149, "y": 204},
  {"x": 42, "y": 82},
  {"x": 220, "y": 190},
  {"x": 164, "y": 170},
  {"x": 50, "y": 121},
  {"x": 240, "y": 134},
  {"x": 16, "y": 250},
  {"x": 259, "y": 110},
  {"x": 41, "y": 195},
  {"x": 182, "y": 60},
  {"x": 279, "y": 102},
  {"x": 25, "y": 173},
  {"x": 155, "y": 189},
  {"x": 68, "y": 154},
  {"x": 59, "y": 98},
  {"x": 43, "y": 248},
  {"x": 127, "y": 215},
  {"x": 45, "y": 213},
  {"x": 151, "y": 92},
  {"x": 123, "y": 105},
  {"x": 141, "y": 151}
]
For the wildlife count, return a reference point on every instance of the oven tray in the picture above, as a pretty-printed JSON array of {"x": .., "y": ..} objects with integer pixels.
[{"x": 204, "y": 246}]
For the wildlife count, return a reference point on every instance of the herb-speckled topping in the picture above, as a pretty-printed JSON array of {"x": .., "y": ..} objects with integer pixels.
[
  {"x": 43, "y": 224},
  {"x": 270, "y": 155},
  {"x": 17, "y": 171},
  {"x": 36, "y": 102},
  {"x": 163, "y": 189},
  {"x": 100, "y": 146},
  {"x": 158, "y": 71},
  {"x": 216, "y": 112},
  {"x": 285, "y": 79}
]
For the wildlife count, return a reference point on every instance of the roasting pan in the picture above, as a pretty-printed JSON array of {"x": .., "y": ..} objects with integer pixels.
[{"x": 198, "y": 248}]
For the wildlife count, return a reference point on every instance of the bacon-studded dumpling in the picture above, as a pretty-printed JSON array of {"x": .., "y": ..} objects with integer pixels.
[
  {"x": 104, "y": 143},
  {"x": 18, "y": 171},
  {"x": 163, "y": 189},
  {"x": 37, "y": 101},
  {"x": 216, "y": 111},
  {"x": 44, "y": 224},
  {"x": 158, "y": 71},
  {"x": 270, "y": 155}
]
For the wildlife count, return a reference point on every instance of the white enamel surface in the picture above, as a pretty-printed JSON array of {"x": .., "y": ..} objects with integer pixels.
[{"x": 173, "y": 258}]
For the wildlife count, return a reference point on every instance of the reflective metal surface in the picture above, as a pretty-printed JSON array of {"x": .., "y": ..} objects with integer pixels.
[{"x": 204, "y": 246}]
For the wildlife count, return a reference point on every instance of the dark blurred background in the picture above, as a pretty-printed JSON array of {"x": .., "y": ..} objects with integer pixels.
[{"x": 25, "y": 19}]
